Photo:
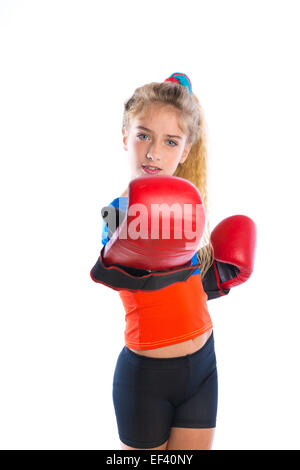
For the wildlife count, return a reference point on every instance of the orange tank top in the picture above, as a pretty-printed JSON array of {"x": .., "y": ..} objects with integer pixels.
[{"x": 166, "y": 316}]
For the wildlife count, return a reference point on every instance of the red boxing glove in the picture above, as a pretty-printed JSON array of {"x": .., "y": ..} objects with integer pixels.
[
  {"x": 234, "y": 243},
  {"x": 163, "y": 225}
]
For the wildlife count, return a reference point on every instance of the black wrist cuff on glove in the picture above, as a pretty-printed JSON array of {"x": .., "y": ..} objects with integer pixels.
[
  {"x": 120, "y": 277},
  {"x": 215, "y": 276}
]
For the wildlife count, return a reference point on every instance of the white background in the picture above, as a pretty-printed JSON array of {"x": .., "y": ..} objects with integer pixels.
[{"x": 66, "y": 69}]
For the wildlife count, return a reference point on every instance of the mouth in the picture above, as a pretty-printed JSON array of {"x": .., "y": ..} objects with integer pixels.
[{"x": 151, "y": 170}]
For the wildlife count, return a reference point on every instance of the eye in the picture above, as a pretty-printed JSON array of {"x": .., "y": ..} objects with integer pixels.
[
  {"x": 140, "y": 136},
  {"x": 172, "y": 142}
]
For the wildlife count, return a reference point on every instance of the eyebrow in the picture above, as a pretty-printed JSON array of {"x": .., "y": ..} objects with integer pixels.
[{"x": 149, "y": 130}]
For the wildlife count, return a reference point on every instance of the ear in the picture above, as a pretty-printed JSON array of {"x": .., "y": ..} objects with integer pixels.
[
  {"x": 125, "y": 137},
  {"x": 185, "y": 153}
]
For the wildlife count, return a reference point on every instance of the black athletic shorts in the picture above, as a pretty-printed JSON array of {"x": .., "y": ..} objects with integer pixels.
[{"x": 151, "y": 395}]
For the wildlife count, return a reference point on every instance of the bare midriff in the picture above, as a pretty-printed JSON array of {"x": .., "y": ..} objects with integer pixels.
[{"x": 178, "y": 349}]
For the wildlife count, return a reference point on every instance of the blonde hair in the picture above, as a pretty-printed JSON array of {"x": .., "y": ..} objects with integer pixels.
[{"x": 192, "y": 122}]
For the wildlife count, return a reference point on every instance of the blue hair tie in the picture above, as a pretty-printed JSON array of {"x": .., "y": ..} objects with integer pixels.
[{"x": 182, "y": 79}]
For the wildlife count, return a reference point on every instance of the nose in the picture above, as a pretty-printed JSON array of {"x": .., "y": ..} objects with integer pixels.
[{"x": 153, "y": 153}]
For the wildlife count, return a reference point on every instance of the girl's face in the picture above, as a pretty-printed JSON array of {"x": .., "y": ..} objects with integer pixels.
[{"x": 156, "y": 134}]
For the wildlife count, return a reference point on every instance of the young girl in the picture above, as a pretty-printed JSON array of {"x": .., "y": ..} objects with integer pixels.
[{"x": 166, "y": 397}]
